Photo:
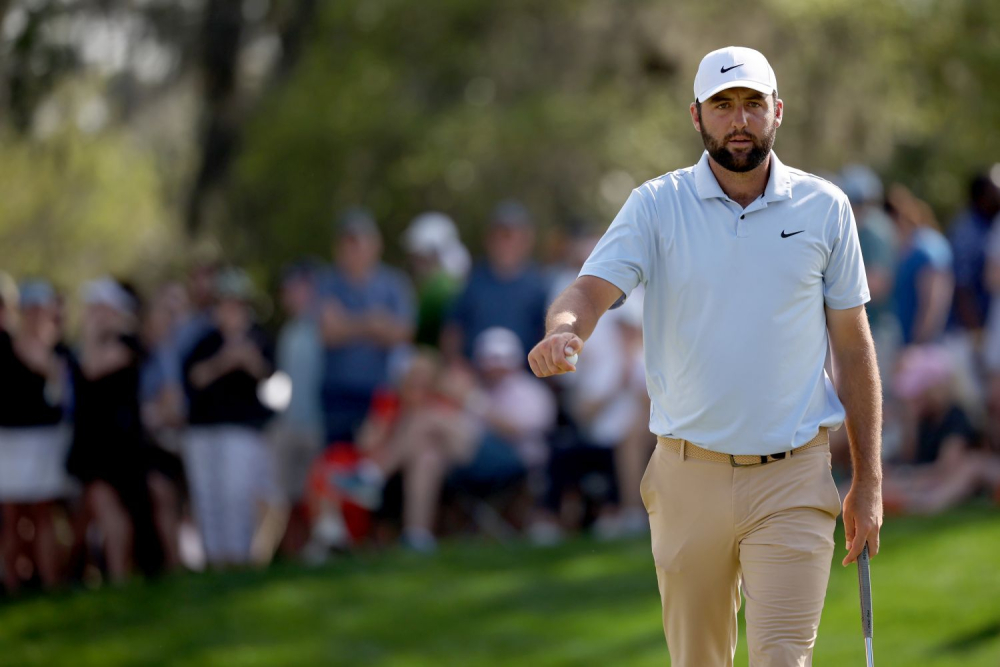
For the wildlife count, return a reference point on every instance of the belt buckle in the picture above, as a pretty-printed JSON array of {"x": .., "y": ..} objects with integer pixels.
[
  {"x": 764, "y": 460},
  {"x": 733, "y": 463}
]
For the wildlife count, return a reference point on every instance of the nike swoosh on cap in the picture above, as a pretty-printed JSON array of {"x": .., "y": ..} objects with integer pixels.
[{"x": 726, "y": 69}]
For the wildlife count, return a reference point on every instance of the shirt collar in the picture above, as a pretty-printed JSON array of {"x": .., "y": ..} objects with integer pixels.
[{"x": 779, "y": 183}]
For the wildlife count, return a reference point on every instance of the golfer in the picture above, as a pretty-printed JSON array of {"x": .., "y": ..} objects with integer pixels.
[{"x": 750, "y": 268}]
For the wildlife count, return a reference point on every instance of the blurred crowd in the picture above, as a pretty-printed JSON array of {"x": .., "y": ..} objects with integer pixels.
[{"x": 177, "y": 428}]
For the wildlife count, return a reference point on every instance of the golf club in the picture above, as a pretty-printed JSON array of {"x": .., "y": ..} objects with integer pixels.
[{"x": 865, "y": 586}]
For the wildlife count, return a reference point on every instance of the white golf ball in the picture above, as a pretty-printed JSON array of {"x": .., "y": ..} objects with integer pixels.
[{"x": 571, "y": 356}]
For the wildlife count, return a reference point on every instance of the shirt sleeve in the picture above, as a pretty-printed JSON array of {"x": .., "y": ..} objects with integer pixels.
[
  {"x": 939, "y": 251},
  {"x": 845, "y": 284},
  {"x": 623, "y": 256}
]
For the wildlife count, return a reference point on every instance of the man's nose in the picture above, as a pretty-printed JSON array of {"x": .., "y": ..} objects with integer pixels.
[{"x": 740, "y": 118}]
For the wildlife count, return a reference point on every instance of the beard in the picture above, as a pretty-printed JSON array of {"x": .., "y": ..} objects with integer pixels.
[{"x": 741, "y": 162}]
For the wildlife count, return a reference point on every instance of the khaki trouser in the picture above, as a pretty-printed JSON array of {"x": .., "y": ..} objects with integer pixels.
[{"x": 715, "y": 527}]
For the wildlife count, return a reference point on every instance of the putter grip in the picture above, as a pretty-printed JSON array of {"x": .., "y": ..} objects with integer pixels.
[{"x": 865, "y": 585}]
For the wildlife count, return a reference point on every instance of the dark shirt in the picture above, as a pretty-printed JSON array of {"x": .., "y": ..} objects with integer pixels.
[
  {"x": 107, "y": 427},
  {"x": 231, "y": 398},
  {"x": 932, "y": 433},
  {"x": 516, "y": 303},
  {"x": 968, "y": 235},
  {"x": 22, "y": 392}
]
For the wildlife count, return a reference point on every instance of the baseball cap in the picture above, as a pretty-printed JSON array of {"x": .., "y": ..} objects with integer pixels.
[
  {"x": 108, "y": 292},
  {"x": 511, "y": 213},
  {"x": 498, "y": 347},
  {"x": 234, "y": 283},
  {"x": 35, "y": 293},
  {"x": 861, "y": 184},
  {"x": 733, "y": 67},
  {"x": 357, "y": 221},
  {"x": 430, "y": 233},
  {"x": 305, "y": 269}
]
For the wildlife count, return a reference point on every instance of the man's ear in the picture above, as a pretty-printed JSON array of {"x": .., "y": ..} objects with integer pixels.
[
  {"x": 694, "y": 116},
  {"x": 779, "y": 111}
]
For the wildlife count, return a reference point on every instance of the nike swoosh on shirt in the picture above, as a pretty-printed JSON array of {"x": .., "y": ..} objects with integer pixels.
[
  {"x": 726, "y": 69},
  {"x": 785, "y": 236}
]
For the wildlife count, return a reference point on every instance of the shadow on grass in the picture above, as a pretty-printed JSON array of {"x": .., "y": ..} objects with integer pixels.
[
  {"x": 375, "y": 608},
  {"x": 970, "y": 641}
]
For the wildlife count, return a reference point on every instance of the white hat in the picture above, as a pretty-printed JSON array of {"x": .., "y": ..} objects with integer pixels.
[
  {"x": 497, "y": 347},
  {"x": 435, "y": 234},
  {"x": 429, "y": 233},
  {"x": 733, "y": 67},
  {"x": 108, "y": 292}
]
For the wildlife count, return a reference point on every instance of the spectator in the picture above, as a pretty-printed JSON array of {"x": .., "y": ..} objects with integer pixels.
[
  {"x": 969, "y": 232},
  {"x": 366, "y": 311},
  {"x": 603, "y": 400},
  {"x": 161, "y": 397},
  {"x": 507, "y": 290},
  {"x": 107, "y": 455},
  {"x": 33, "y": 438},
  {"x": 946, "y": 461},
  {"x": 417, "y": 428},
  {"x": 877, "y": 237},
  {"x": 194, "y": 314},
  {"x": 297, "y": 433},
  {"x": 420, "y": 433},
  {"x": 516, "y": 411},
  {"x": 225, "y": 457},
  {"x": 439, "y": 264},
  {"x": 924, "y": 279}
]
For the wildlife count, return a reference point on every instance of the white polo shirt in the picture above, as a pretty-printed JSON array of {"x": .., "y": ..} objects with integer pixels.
[{"x": 734, "y": 323}]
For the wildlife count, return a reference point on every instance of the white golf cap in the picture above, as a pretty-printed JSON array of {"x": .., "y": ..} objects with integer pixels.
[
  {"x": 733, "y": 67},
  {"x": 497, "y": 347}
]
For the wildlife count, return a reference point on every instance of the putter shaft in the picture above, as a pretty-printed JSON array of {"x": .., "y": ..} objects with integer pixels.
[{"x": 865, "y": 589}]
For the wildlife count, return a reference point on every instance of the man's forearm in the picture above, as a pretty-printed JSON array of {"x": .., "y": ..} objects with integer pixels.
[
  {"x": 572, "y": 312},
  {"x": 860, "y": 390},
  {"x": 570, "y": 322}
]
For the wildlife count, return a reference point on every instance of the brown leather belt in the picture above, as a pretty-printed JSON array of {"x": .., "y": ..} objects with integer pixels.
[{"x": 738, "y": 460}]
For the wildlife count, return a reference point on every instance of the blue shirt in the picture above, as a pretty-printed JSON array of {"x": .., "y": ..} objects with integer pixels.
[
  {"x": 159, "y": 370},
  {"x": 928, "y": 250},
  {"x": 360, "y": 366},
  {"x": 299, "y": 353},
  {"x": 734, "y": 324},
  {"x": 516, "y": 303}
]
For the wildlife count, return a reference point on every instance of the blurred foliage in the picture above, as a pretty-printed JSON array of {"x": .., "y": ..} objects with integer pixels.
[
  {"x": 80, "y": 204},
  {"x": 405, "y": 107},
  {"x": 567, "y": 105}
]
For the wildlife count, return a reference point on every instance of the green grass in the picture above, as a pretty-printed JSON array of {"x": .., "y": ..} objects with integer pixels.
[{"x": 936, "y": 589}]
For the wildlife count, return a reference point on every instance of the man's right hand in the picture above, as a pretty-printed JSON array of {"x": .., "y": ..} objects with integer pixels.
[{"x": 549, "y": 356}]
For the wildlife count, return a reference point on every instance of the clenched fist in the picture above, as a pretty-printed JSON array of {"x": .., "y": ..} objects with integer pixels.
[{"x": 549, "y": 357}]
